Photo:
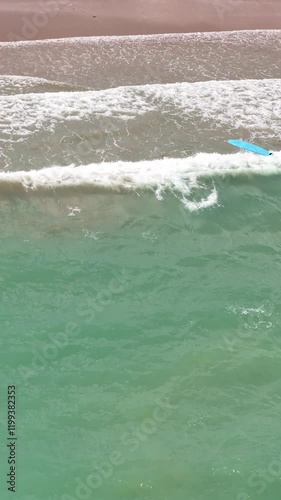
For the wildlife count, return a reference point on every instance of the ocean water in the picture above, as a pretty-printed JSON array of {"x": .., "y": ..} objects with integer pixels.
[{"x": 140, "y": 267}]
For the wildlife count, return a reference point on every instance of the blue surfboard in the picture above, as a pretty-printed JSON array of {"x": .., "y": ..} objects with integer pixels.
[{"x": 249, "y": 147}]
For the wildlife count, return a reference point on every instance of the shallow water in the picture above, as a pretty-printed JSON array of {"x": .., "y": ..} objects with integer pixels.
[{"x": 140, "y": 266}]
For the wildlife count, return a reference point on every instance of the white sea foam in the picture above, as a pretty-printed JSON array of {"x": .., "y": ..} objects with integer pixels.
[
  {"x": 251, "y": 104},
  {"x": 194, "y": 206},
  {"x": 178, "y": 176}
]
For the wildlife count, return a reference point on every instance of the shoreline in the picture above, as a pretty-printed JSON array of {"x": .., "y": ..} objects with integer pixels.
[
  {"x": 150, "y": 36},
  {"x": 30, "y": 20},
  {"x": 140, "y": 36}
]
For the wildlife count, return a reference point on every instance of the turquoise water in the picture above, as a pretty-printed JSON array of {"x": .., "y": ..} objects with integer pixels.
[
  {"x": 98, "y": 327},
  {"x": 140, "y": 299}
]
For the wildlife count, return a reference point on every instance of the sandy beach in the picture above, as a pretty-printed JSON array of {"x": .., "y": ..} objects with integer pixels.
[{"x": 36, "y": 20}]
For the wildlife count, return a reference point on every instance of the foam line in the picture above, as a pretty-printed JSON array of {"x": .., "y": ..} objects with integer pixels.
[{"x": 170, "y": 174}]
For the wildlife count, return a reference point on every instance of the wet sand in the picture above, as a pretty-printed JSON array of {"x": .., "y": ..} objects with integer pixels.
[{"x": 37, "y": 20}]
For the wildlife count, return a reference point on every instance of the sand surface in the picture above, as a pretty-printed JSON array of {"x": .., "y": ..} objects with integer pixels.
[{"x": 35, "y": 19}]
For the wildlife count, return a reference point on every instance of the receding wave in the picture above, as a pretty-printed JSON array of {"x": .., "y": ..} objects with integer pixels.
[
  {"x": 103, "y": 62},
  {"x": 14, "y": 84}
]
